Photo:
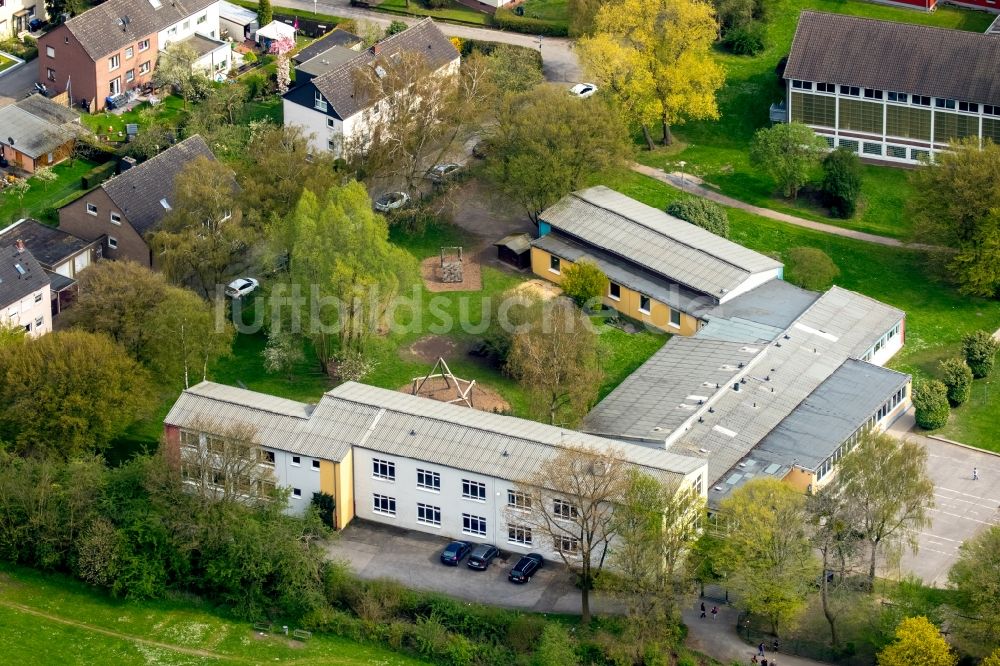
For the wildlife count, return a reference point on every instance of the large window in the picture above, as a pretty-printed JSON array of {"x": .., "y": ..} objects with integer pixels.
[
  {"x": 384, "y": 504},
  {"x": 860, "y": 116},
  {"x": 519, "y": 534},
  {"x": 474, "y": 490},
  {"x": 991, "y": 129},
  {"x": 114, "y": 62},
  {"x": 675, "y": 317},
  {"x": 908, "y": 122},
  {"x": 563, "y": 509},
  {"x": 473, "y": 524},
  {"x": 949, "y": 126},
  {"x": 518, "y": 500},
  {"x": 814, "y": 109},
  {"x": 429, "y": 515},
  {"x": 383, "y": 469},
  {"x": 428, "y": 480},
  {"x": 644, "y": 303},
  {"x": 567, "y": 545}
]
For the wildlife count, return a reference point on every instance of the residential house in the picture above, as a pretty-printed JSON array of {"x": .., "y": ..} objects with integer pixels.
[
  {"x": 327, "y": 101},
  {"x": 893, "y": 92},
  {"x": 125, "y": 208},
  {"x": 399, "y": 459},
  {"x": 336, "y": 38},
  {"x": 16, "y": 16},
  {"x": 113, "y": 47},
  {"x": 36, "y": 132},
  {"x": 24, "y": 291},
  {"x": 63, "y": 256},
  {"x": 662, "y": 271}
]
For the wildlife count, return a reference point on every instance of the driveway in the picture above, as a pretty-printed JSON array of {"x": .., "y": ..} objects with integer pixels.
[
  {"x": 411, "y": 558},
  {"x": 16, "y": 83},
  {"x": 963, "y": 507}
]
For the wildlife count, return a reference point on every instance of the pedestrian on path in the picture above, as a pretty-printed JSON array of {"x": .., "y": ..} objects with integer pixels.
[
  {"x": 715, "y": 612},
  {"x": 763, "y": 662},
  {"x": 975, "y": 473},
  {"x": 760, "y": 649},
  {"x": 703, "y": 610},
  {"x": 753, "y": 659}
]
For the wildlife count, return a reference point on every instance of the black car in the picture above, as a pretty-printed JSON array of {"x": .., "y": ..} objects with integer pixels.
[
  {"x": 525, "y": 568},
  {"x": 481, "y": 556},
  {"x": 454, "y": 552}
]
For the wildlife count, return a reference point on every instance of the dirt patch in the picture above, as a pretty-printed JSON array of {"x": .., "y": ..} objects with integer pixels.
[
  {"x": 483, "y": 397},
  {"x": 430, "y": 272},
  {"x": 433, "y": 347},
  {"x": 540, "y": 288},
  {"x": 486, "y": 213}
]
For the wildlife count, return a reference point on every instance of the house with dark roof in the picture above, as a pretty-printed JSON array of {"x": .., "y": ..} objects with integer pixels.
[
  {"x": 893, "y": 92},
  {"x": 335, "y": 101},
  {"x": 662, "y": 271},
  {"x": 24, "y": 291},
  {"x": 16, "y": 16},
  {"x": 124, "y": 209},
  {"x": 62, "y": 255},
  {"x": 112, "y": 48},
  {"x": 36, "y": 132}
]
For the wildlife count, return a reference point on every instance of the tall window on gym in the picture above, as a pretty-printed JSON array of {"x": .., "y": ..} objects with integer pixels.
[
  {"x": 861, "y": 116},
  {"x": 814, "y": 109},
  {"x": 949, "y": 126},
  {"x": 908, "y": 122}
]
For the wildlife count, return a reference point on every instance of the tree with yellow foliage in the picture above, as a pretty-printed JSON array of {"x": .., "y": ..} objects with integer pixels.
[
  {"x": 654, "y": 58},
  {"x": 992, "y": 660},
  {"x": 918, "y": 643}
]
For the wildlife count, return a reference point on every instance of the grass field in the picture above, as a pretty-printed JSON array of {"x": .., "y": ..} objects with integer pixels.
[
  {"x": 109, "y": 124},
  {"x": 453, "y": 12},
  {"x": 41, "y": 196},
  {"x": 6, "y": 62},
  {"x": 547, "y": 10},
  {"x": 717, "y": 150},
  {"x": 53, "y": 619}
]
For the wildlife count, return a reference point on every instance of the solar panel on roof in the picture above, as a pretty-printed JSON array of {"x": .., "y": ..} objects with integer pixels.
[
  {"x": 734, "y": 479},
  {"x": 772, "y": 468}
]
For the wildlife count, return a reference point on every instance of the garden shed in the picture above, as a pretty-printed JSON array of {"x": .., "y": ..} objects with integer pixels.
[{"x": 515, "y": 249}]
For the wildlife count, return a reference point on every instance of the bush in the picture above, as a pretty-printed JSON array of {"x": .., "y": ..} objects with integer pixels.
[
  {"x": 980, "y": 350},
  {"x": 746, "y": 40},
  {"x": 930, "y": 402},
  {"x": 555, "y": 648},
  {"x": 397, "y": 26},
  {"x": 958, "y": 378},
  {"x": 810, "y": 268},
  {"x": 249, "y": 58},
  {"x": 97, "y": 175},
  {"x": 505, "y": 19},
  {"x": 841, "y": 182},
  {"x": 703, "y": 213},
  {"x": 585, "y": 283}
]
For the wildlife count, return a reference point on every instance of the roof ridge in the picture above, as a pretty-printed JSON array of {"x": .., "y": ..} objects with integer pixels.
[
  {"x": 192, "y": 391},
  {"x": 870, "y": 19}
]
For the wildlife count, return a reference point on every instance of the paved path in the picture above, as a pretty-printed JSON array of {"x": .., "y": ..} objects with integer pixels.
[
  {"x": 17, "y": 82},
  {"x": 559, "y": 62},
  {"x": 689, "y": 185},
  {"x": 717, "y": 638}
]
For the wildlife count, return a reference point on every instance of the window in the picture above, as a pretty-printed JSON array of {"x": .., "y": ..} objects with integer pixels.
[
  {"x": 331, "y": 123},
  {"x": 91, "y": 209},
  {"x": 130, "y": 76},
  {"x": 318, "y": 102},
  {"x": 942, "y": 103},
  {"x": 429, "y": 515},
  {"x": 115, "y": 86},
  {"x": 899, "y": 152},
  {"x": 297, "y": 461},
  {"x": 920, "y": 100},
  {"x": 852, "y": 91},
  {"x": 112, "y": 242},
  {"x": 991, "y": 129},
  {"x": 129, "y": 52},
  {"x": 563, "y": 509},
  {"x": 116, "y": 218},
  {"x": 474, "y": 490},
  {"x": 50, "y": 74},
  {"x": 384, "y": 504},
  {"x": 969, "y": 107},
  {"x": 202, "y": 18},
  {"x": 872, "y": 148},
  {"x": 949, "y": 126},
  {"x": 144, "y": 68},
  {"x": 897, "y": 97},
  {"x": 296, "y": 493},
  {"x": 187, "y": 24},
  {"x": 567, "y": 544},
  {"x": 908, "y": 122},
  {"x": 172, "y": 31},
  {"x": 861, "y": 116},
  {"x": 871, "y": 93},
  {"x": 518, "y": 500},
  {"x": 268, "y": 458},
  {"x": 475, "y": 525},
  {"x": 114, "y": 62},
  {"x": 50, "y": 51},
  {"x": 826, "y": 87},
  {"x": 38, "y": 297},
  {"x": 644, "y": 303},
  {"x": 144, "y": 45},
  {"x": 991, "y": 110},
  {"x": 428, "y": 480},
  {"x": 554, "y": 264},
  {"x": 814, "y": 109},
  {"x": 315, "y": 465},
  {"x": 675, "y": 317},
  {"x": 331, "y": 144},
  {"x": 802, "y": 85},
  {"x": 829, "y": 139},
  {"x": 519, "y": 535},
  {"x": 615, "y": 291},
  {"x": 383, "y": 469}
]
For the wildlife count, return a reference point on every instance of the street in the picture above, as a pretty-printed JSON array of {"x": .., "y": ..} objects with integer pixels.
[{"x": 17, "y": 82}]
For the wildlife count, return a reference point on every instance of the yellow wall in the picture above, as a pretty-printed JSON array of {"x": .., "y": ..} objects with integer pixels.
[
  {"x": 628, "y": 304},
  {"x": 800, "y": 479},
  {"x": 337, "y": 479}
]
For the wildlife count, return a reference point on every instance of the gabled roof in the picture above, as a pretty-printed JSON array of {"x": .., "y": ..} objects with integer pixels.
[
  {"x": 99, "y": 32},
  {"x": 139, "y": 191},
  {"x": 334, "y": 38},
  {"x": 677, "y": 250},
  {"x": 338, "y": 85},
  {"x": 44, "y": 108},
  {"x": 20, "y": 275},
  {"x": 32, "y": 135},
  {"x": 886, "y": 55},
  {"x": 48, "y": 245}
]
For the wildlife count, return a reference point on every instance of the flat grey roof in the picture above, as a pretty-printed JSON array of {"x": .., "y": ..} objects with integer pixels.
[
  {"x": 202, "y": 44},
  {"x": 679, "y": 251},
  {"x": 775, "y": 303},
  {"x": 32, "y": 135},
  {"x": 333, "y": 57}
]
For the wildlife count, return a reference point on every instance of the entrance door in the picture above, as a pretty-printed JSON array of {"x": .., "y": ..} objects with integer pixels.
[{"x": 116, "y": 85}]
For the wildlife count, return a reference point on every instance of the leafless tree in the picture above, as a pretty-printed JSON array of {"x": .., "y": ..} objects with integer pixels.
[{"x": 224, "y": 462}]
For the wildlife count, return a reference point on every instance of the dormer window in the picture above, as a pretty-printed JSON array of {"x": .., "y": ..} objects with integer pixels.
[
  {"x": 165, "y": 204},
  {"x": 318, "y": 102}
]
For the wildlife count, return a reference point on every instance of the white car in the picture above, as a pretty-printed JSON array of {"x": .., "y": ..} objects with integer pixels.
[
  {"x": 442, "y": 172},
  {"x": 583, "y": 90},
  {"x": 391, "y": 201},
  {"x": 240, "y": 287}
]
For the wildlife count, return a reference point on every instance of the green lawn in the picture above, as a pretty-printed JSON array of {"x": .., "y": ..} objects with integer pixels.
[
  {"x": 40, "y": 197},
  {"x": 108, "y": 124},
  {"x": 453, "y": 12},
  {"x": 80, "y": 625},
  {"x": 327, "y": 19},
  {"x": 937, "y": 316},
  {"x": 6, "y": 62},
  {"x": 555, "y": 11},
  {"x": 717, "y": 150}
]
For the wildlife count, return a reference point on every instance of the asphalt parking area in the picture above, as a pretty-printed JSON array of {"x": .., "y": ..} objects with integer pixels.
[{"x": 411, "y": 558}]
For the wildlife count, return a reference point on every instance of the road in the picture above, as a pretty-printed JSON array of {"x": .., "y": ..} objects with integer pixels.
[
  {"x": 18, "y": 82},
  {"x": 559, "y": 62}
]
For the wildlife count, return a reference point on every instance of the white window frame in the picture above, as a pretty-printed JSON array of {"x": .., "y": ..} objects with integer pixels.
[
  {"x": 144, "y": 67},
  {"x": 611, "y": 293},
  {"x": 316, "y": 465},
  {"x": 50, "y": 51},
  {"x": 519, "y": 535},
  {"x": 112, "y": 242},
  {"x": 296, "y": 461},
  {"x": 649, "y": 304},
  {"x": 564, "y": 509},
  {"x": 434, "y": 485},
  {"x": 129, "y": 53},
  {"x": 114, "y": 62},
  {"x": 91, "y": 209},
  {"x": 319, "y": 102},
  {"x": 557, "y": 262},
  {"x": 468, "y": 485},
  {"x": 671, "y": 320},
  {"x": 143, "y": 45},
  {"x": 38, "y": 297},
  {"x": 561, "y": 541},
  {"x": 296, "y": 493},
  {"x": 518, "y": 500},
  {"x": 428, "y": 514},
  {"x": 384, "y": 505},
  {"x": 383, "y": 469},
  {"x": 470, "y": 522}
]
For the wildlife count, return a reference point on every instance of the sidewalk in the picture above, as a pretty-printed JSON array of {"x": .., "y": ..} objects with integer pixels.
[
  {"x": 717, "y": 638},
  {"x": 692, "y": 187}
]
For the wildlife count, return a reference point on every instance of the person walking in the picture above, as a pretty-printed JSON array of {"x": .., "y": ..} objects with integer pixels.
[
  {"x": 763, "y": 662},
  {"x": 760, "y": 649},
  {"x": 715, "y": 612},
  {"x": 702, "y": 610},
  {"x": 753, "y": 659},
  {"x": 975, "y": 473}
]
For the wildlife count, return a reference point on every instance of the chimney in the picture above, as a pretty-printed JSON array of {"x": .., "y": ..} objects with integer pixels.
[
  {"x": 19, "y": 245},
  {"x": 376, "y": 49},
  {"x": 125, "y": 164}
]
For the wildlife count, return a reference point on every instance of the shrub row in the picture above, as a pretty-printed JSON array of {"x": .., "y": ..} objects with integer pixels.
[{"x": 505, "y": 19}]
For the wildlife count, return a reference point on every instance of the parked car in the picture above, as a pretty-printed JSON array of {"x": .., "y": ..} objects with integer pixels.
[
  {"x": 481, "y": 556},
  {"x": 391, "y": 201},
  {"x": 240, "y": 287},
  {"x": 455, "y": 552},
  {"x": 525, "y": 568},
  {"x": 482, "y": 149},
  {"x": 583, "y": 90},
  {"x": 442, "y": 172}
]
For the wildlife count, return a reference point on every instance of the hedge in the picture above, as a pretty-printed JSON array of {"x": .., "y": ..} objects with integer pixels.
[
  {"x": 98, "y": 175},
  {"x": 505, "y": 19}
]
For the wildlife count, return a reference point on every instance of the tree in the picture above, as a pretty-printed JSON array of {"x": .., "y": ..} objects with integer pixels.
[
  {"x": 958, "y": 378},
  {"x": 930, "y": 404},
  {"x": 224, "y": 466},
  {"x": 175, "y": 69},
  {"x": 585, "y": 283},
  {"x": 810, "y": 268},
  {"x": 395, "y": 27},
  {"x": 842, "y": 182},
  {"x": 513, "y": 70},
  {"x": 186, "y": 337},
  {"x": 767, "y": 555},
  {"x": 955, "y": 204},
  {"x": 886, "y": 481},
  {"x": 281, "y": 48},
  {"x": 703, "y": 213},
  {"x": 349, "y": 290},
  {"x": 555, "y": 647},
  {"x": 264, "y": 12},
  {"x": 918, "y": 643},
  {"x": 200, "y": 240},
  {"x": 980, "y": 350},
  {"x": 11, "y": 334},
  {"x": 992, "y": 660},
  {"x": 788, "y": 152},
  {"x": 45, "y": 175},
  {"x": 655, "y": 59},
  {"x": 72, "y": 7},
  {"x": 546, "y": 144},
  {"x": 569, "y": 501},
  {"x": 582, "y": 14},
  {"x": 69, "y": 393},
  {"x": 282, "y": 353},
  {"x": 556, "y": 360},
  {"x": 976, "y": 577}
]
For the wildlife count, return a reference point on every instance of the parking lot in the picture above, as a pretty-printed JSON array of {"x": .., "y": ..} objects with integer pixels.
[
  {"x": 17, "y": 82},
  {"x": 377, "y": 551}
]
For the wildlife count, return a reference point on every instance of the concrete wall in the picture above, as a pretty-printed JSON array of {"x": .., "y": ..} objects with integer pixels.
[
  {"x": 74, "y": 219},
  {"x": 33, "y": 312}
]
